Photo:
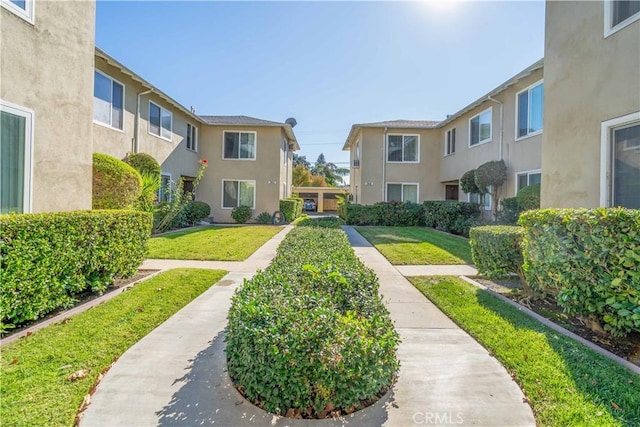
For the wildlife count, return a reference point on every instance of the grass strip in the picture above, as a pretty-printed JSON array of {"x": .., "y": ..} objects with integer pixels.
[
  {"x": 566, "y": 383},
  {"x": 212, "y": 243},
  {"x": 34, "y": 370},
  {"x": 417, "y": 246}
]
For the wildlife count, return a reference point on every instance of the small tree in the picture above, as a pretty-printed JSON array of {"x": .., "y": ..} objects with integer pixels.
[
  {"x": 492, "y": 174},
  {"x": 468, "y": 182}
]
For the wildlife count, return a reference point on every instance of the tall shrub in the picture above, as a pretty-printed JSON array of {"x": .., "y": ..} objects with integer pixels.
[
  {"x": 529, "y": 197},
  {"x": 116, "y": 185},
  {"x": 144, "y": 163},
  {"x": 492, "y": 174},
  {"x": 590, "y": 260}
]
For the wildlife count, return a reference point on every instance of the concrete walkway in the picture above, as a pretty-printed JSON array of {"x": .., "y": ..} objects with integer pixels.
[{"x": 176, "y": 375}]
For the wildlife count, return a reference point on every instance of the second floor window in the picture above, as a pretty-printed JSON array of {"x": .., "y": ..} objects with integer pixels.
[
  {"x": 240, "y": 145},
  {"x": 192, "y": 137},
  {"x": 160, "y": 121},
  {"x": 108, "y": 101},
  {"x": 480, "y": 128},
  {"x": 529, "y": 110},
  {"x": 450, "y": 142},
  {"x": 403, "y": 148}
]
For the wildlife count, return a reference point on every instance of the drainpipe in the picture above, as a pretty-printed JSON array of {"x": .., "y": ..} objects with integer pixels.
[
  {"x": 384, "y": 164},
  {"x": 500, "y": 155},
  {"x": 136, "y": 131}
]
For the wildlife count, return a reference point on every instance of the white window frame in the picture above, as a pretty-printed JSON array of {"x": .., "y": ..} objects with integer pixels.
[
  {"x": 404, "y": 161},
  {"x": 149, "y": 122},
  {"x": 255, "y": 145},
  {"x": 222, "y": 206},
  {"x": 194, "y": 138},
  {"x": 386, "y": 190},
  {"x": 28, "y": 13},
  {"x": 285, "y": 152},
  {"x": 29, "y": 116},
  {"x": 447, "y": 147},
  {"x": 487, "y": 196},
  {"x": 606, "y": 179},
  {"x": 608, "y": 15},
  {"x": 482, "y": 141},
  {"x": 124, "y": 89},
  {"x": 528, "y": 173},
  {"x": 515, "y": 129},
  {"x": 163, "y": 174}
]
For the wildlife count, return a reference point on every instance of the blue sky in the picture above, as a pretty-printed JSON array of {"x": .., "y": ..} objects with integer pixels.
[{"x": 328, "y": 64}]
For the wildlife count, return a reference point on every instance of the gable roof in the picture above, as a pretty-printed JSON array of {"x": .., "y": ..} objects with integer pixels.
[
  {"x": 251, "y": 121},
  {"x": 400, "y": 123}
]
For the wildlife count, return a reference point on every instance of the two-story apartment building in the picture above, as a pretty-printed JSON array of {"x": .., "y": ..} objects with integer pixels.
[
  {"x": 415, "y": 161},
  {"x": 591, "y": 141}
]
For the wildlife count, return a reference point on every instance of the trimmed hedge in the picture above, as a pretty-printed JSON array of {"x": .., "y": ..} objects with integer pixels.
[
  {"x": 401, "y": 214},
  {"x": 324, "y": 222},
  {"x": 241, "y": 214},
  {"x": 310, "y": 333},
  {"x": 450, "y": 216},
  {"x": 590, "y": 260},
  {"x": 144, "y": 163},
  {"x": 496, "y": 251},
  {"x": 291, "y": 208},
  {"x": 529, "y": 197},
  {"x": 509, "y": 212},
  {"x": 116, "y": 185},
  {"x": 196, "y": 211},
  {"x": 264, "y": 218},
  {"x": 46, "y": 259}
]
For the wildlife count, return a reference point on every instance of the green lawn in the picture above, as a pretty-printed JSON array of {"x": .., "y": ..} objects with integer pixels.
[
  {"x": 212, "y": 243},
  {"x": 34, "y": 370},
  {"x": 566, "y": 383},
  {"x": 417, "y": 246}
]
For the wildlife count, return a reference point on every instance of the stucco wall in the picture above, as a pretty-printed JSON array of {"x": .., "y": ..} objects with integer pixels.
[
  {"x": 588, "y": 79},
  {"x": 265, "y": 170},
  {"x": 48, "y": 67},
  {"x": 173, "y": 156}
]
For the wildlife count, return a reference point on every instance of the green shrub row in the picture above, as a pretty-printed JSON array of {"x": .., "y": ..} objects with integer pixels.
[
  {"x": 291, "y": 208},
  {"x": 46, "y": 259},
  {"x": 310, "y": 332},
  {"x": 324, "y": 222},
  {"x": 384, "y": 214},
  {"x": 450, "y": 216},
  {"x": 528, "y": 198},
  {"x": 590, "y": 260}
]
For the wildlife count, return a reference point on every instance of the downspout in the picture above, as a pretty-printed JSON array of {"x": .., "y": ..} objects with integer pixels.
[
  {"x": 500, "y": 155},
  {"x": 136, "y": 131},
  {"x": 384, "y": 164}
]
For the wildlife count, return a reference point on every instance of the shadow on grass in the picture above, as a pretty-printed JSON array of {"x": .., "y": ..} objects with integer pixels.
[
  {"x": 171, "y": 235},
  {"x": 600, "y": 380},
  {"x": 207, "y": 397}
]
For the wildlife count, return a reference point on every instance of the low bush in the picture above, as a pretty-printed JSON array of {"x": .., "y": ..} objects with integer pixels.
[
  {"x": 509, "y": 212},
  {"x": 398, "y": 214},
  {"x": 116, "y": 185},
  {"x": 291, "y": 208},
  {"x": 264, "y": 218},
  {"x": 241, "y": 214},
  {"x": 590, "y": 260},
  {"x": 496, "y": 251},
  {"x": 326, "y": 222},
  {"x": 196, "y": 211},
  {"x": 450, "y": 216},
  {"x": 529, "y": 197},
  {"x": 310, "y": 333},
  {"x": 47, "y": 259}
]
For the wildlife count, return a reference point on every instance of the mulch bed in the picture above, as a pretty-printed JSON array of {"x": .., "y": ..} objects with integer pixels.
[
  {"x": 627, "y": 348},
  {"x": 83, "y": 298}
]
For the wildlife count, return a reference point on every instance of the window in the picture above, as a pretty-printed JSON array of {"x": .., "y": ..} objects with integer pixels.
[
  {"x": 451, "y": 191},
  {"x": 620, "y": 162},
  {"x": 23, "y": 8},
  {"x": 164, "y": 192},
  {"x": 403, "y": 148},
  {"x": 108, "y": 101},
  {"x": 480, "y": 128},
  {"x": 285, "y": 152},
  {"x": 238, "y": 193},
  {"x": 475, "y": 198},
  {"x": 450, "y": 142},
  {"x": 16, "y": 139},
  {"x": 240, "y": 145},
  {"x": 160, "y": 121},
  {"x": 524, "y": 179},
  {"x": 192, "y": 137},
  {"x": 400, "y": 192},
  {"x": 356, "y": 155},
  {"x": 619, "y": 13},
  {"x": 529, "y": 111}
]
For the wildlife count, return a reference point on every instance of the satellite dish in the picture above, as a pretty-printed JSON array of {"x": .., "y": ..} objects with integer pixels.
[{"x": 291, "y": 122}]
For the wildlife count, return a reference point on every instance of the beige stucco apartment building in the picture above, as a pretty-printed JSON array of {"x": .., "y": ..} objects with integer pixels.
[
  {"x": 415, "y": 161},
  {"x": 46, "y": 88},
  {"x": 591, "y": 141}
]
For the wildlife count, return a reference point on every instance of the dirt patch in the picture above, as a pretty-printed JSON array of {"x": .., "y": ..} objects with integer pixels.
[{"x": 627, "y": 348}]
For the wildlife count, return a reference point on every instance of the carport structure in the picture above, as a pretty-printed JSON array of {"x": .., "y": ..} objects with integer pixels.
[{"x": 325, "y": 197}]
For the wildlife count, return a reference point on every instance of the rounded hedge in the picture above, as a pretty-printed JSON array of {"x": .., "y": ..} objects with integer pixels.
[
  {"x": 491, "y": 173},
  {"x": 144, "y": 163},
  {"x": 468, "y": 182},
  {"x": 116, "y": 185},
  {"x": 264, "y": 218},
  {"x": 529, "y": 197},
  {"x": 241, "y": 214},
  {"x": 196, "y": 211}
]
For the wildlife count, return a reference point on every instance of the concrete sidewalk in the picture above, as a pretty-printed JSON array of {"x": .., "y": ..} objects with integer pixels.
[{"x": 176, "y": 375}]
